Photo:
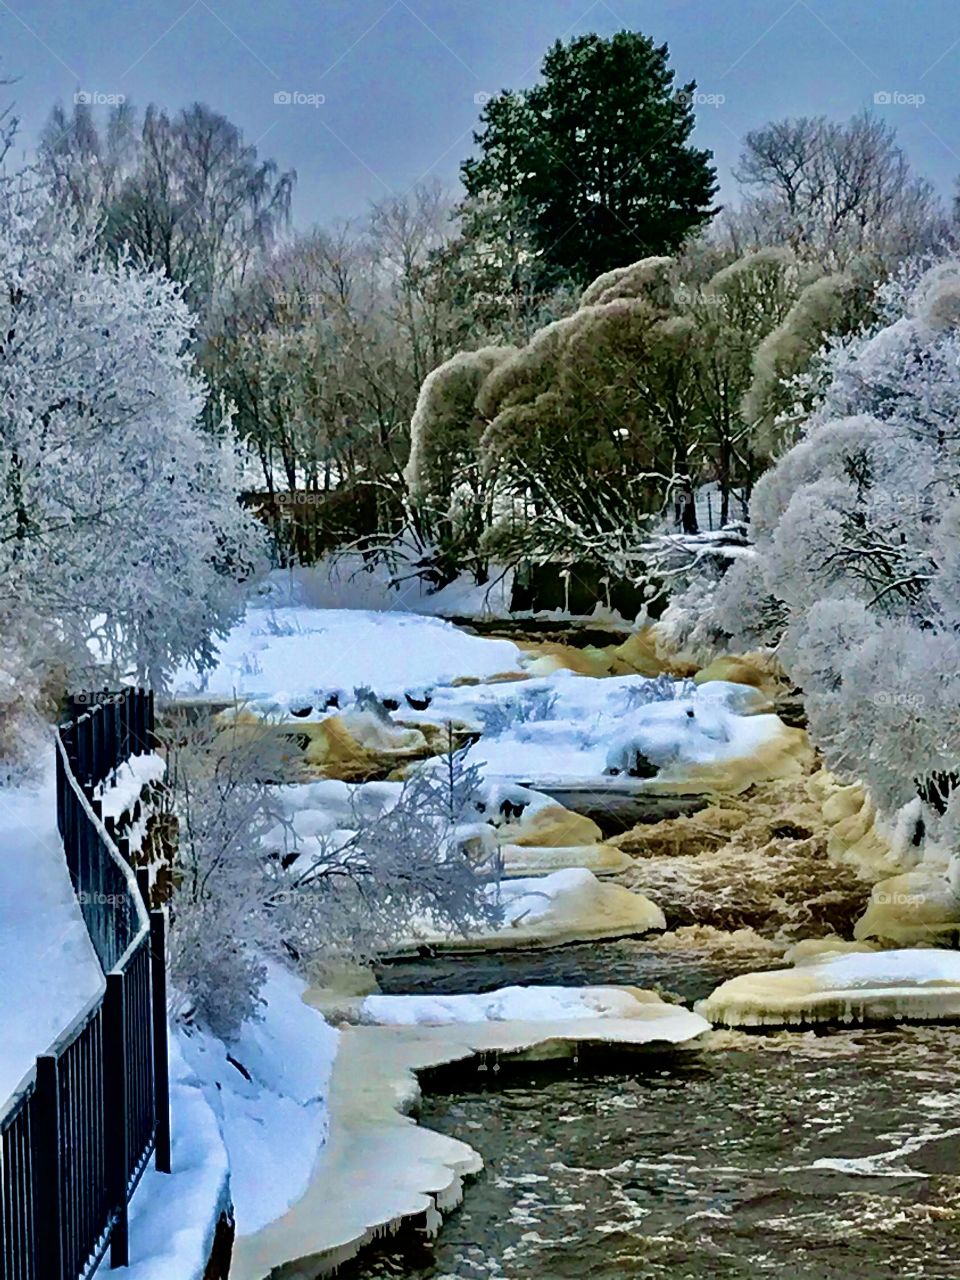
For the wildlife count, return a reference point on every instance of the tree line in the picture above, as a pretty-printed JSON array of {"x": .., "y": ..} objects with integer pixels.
[{"x": 543, "y": 364}]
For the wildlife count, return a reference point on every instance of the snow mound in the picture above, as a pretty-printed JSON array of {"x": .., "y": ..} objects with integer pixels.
[
  {"x": 534, "y": 1004},
  {"x": 268, "y": 1089},
  {"x": 568, "y": 906},
  {"x": 919, "y": 906},
  {"x": 877, "y": 986}
]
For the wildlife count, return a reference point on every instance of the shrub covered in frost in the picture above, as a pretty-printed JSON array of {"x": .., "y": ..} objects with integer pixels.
[
  {"x": 248, "y": 887},
  {"x": 503, "y": 714},
  {"x": 857, "y": 532},
  {"x": 662, "y": 688}
]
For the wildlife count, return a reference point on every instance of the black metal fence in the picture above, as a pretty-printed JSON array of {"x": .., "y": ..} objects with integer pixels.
[
  {"x": 104, "y": 730},
  {"x": 81, "y": 1127}
]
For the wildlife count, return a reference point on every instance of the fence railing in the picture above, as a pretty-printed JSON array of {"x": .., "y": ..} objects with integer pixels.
[
  {"x": 104, "y": 730},
  {"x": 82, "y": 1125}
]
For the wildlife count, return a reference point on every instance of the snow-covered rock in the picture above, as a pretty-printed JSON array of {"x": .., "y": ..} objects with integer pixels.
[
  {"x": 654, "y": 734},
  {"x": 877, "y": 986},
  {"x": 568, "y": 906}
]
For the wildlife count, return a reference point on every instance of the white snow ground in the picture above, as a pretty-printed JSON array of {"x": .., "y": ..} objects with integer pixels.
[
  {"x": 48, "y": 969},
  {"x": 275, "y": 1122},
  {"x": 295, "y": 656}
]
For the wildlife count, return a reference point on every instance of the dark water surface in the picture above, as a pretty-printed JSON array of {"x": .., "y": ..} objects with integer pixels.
[
  {"x": 677, "y": 973},
  {"x": 828, "y": 1157}
]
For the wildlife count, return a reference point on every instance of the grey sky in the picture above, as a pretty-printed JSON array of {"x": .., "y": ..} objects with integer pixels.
[{"x": 400, "y": 78}]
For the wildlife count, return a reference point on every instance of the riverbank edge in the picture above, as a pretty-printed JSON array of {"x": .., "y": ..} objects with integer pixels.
[{"x": 380, "y": 1169}]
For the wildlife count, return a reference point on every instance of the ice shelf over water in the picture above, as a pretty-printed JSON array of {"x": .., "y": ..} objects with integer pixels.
[{"x": 876, "y": 986}]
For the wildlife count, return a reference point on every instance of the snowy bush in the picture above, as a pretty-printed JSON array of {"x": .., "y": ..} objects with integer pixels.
[
  {"x": 249, "y": 887},
  {"x": 222, "y": 927},
  {"x": 857, "y": 563},
  {"x": 354, "y": 894},
  {"x": 661, "y": 688},
  {"x": 503, "y": 714}
]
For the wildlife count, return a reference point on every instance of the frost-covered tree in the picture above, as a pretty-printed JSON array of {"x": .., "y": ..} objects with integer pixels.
[
  {"x": 186, "y": 194},
  {"x": 249, "y": 886},
  {"x": 857, "y": 532},
  {"x": 449, "y": 487},
  {"x": 120, "y": 532},
  {"x": 608, "y": 419}
]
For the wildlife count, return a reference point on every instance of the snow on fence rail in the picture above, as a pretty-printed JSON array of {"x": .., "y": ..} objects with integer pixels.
[{"x": 79, "y": 1130}]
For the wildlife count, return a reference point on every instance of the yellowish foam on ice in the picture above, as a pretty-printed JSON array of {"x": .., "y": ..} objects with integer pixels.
[
  {"x": 784, "y": 754},
  {"x": 880, "y": 986},
  {"x": 918, "y": 906},
  {"x": 553, "y": 838}
]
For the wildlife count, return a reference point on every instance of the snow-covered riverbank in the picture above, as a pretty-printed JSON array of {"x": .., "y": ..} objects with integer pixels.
[{"x": 379, "y": 1167}]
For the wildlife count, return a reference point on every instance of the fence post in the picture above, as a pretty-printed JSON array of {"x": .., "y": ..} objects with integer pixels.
[
  {"x": 115, "y": 1113},
  {"x": 161, "y": 1070},
  {"x": 49, "y": 1179}
]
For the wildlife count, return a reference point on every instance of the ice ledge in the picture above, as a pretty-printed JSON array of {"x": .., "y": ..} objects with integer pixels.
[
  {"x": 918, "y": 985},
  {"x": 379, "y": 1167}
]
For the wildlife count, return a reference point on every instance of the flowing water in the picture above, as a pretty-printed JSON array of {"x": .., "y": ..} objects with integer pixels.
[
  {"x": 832, "y": 1156},
  {"x": 680, "y": 973},
  {"x": 791, "y": 1155}
]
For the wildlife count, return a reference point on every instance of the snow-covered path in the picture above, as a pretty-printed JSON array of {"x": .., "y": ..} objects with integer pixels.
[{"x": 48, "y": 969}]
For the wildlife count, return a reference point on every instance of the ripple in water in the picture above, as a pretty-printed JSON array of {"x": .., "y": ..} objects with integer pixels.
[{"x": 788, "y": 1155}]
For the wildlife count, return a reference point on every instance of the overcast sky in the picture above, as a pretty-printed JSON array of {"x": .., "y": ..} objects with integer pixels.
[{"x": 400, "y": 79}]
